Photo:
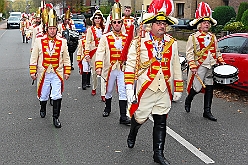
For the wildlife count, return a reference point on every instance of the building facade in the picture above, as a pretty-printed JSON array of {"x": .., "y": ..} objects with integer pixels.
[{"x": 184, "y": 8}]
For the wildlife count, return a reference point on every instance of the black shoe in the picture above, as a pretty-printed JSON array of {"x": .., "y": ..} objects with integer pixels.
[
  {"x": 158, "y": 157},
  {"x": 56, "y": 123},
  {"x": 88, "y": 85},
  {"x": 209, "y": 116},
  {"x": 84, "y": 87},
  {"x": 105, "y": 114},
  {"x": 72, "y": 68},
  {"x": 126, "y": 121},
  {"x": 42, "y": 114}
]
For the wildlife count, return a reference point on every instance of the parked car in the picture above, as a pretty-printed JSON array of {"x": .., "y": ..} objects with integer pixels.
[
  {"x": 78, "y": 16},
  {"x": 13, "y": 22},
  {"x": 234, "y": 49},
  {"x": 183, "y": 24},
  {"x": 80, "y": 25}
]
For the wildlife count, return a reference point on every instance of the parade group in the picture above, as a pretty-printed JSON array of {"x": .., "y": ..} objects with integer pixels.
[{"x": 142, "y": 62}]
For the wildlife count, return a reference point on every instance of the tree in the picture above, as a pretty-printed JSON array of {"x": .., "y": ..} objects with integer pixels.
[
  {"x": 2, "y": 5},
  {"x": 244, "y": 18},
  {"x": 223, "y": 14},
  {"x": 242, "y": 8}
]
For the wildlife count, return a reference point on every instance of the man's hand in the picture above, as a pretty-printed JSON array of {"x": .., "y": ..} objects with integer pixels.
[
  {"x": 177, "y": 96},
  {"x": 223, "y": 63},
  {"x": 194, "y": 71},
  {"x": 99, "y": 71},
  {"x": 130, "y": 93},
  {"x": 66, "y": 76},
  {"x": 87, "y": 58},
  {"x": 33, "y": 76}
]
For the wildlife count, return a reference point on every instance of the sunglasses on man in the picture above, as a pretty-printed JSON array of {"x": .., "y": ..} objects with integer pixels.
[{"x": 117, "y": 22}]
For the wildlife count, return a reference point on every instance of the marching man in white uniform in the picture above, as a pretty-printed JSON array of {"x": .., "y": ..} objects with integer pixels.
[
  {"x": 202, "y": 53},
  {"x": 50, "y": 65},
  {"x": 153, "y": 71},
  {"x": 110, "y": 64}
]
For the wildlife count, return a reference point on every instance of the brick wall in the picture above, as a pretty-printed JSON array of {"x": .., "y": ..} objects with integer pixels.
[{"x": 235, "y": 4}]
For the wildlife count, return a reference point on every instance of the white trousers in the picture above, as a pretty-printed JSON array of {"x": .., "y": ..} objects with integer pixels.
[
  {"x": 206, "y": 76},
  {"x": 86, "y": 66},
  {"x": 118, "y": 77},
  {"x": 51, "y": 81},
  {"x": 158, "y": 103}
]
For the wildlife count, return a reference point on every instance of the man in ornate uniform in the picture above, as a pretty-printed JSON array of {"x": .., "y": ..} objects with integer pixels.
[
  {"x": 110, "y": 64},
  {"x": 153, "y": 77},
  {"x": 50, "y": 65},
  {"x": 93, "y": 36},
  {"x": 202, "y": 54},
  {"x": 37, "y": 28},
  {"x": 24, "y": 26},
  {"x": 68, "y": 24},
  {"x": 83, "y": 62},
  {"x": 128, "y": 20}
]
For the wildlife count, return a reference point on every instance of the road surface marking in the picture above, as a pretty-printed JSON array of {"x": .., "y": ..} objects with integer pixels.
[
  {"x": 3, "y": 34},
  {"x": 188, "y": 145}
]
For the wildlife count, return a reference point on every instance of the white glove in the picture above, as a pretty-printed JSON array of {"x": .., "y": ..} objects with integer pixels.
[
  {"x": 177, "y": 96},
  {"x": 130, "y": 93}
]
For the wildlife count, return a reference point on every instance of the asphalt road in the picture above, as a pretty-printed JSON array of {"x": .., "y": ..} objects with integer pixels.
[{"x": 88, "y": 138}]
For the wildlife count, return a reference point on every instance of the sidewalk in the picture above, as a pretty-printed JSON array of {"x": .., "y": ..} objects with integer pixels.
[
  {"x": 181, "y": 46},
  {"x": 3, "y": 24}
]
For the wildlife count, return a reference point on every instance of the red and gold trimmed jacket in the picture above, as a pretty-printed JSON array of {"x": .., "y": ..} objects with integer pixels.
[
  {"x": 127, "y": 22},
  {"x": 92, "y": 41},
  {"x": 41, "y": 62},
  {"x": 108, "y": 57},
  {"x": 80, "y": 52},
  {"x": 197, "y": 54},
  {"x": 153, "y": 74}
]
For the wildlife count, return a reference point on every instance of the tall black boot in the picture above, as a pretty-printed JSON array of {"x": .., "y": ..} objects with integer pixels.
[
  {"x": 84, "y": 80},
  {"x": 56, "y": 113},
  {"x": 26, "y": 39},
  {"x": 123, "y": 112},
  {"x": 159, "y": 133},
  {"x": 189, "y": 99},
  {"x": 23, "y": 38},
  {"x": 133, "y": 133},
  {"x": 43, "y": 108},
  {"x": 71, "y": 58},
  {"x": 88, "y": 79},
  {"x": 208, "y": 97},
  {"x": 107, "y": 108}
]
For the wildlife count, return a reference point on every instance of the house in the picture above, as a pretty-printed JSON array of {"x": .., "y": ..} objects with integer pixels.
[{"x": 183, "y": 8}]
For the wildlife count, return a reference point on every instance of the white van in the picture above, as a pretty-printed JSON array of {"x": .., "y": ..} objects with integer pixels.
[{"x": 16, "y": 14}]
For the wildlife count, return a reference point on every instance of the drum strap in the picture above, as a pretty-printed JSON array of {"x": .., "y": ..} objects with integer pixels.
[{"x": 201, "y": 52}]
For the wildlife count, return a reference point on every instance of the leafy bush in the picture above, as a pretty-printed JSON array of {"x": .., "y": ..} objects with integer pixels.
[
  {"x": 223, "y": 14},
  {"x": 244, "y": 18},
  {"x": 217, "y": 28},
  {"x": 242, "y": 8},
  {"x": 233, "y": 26}
]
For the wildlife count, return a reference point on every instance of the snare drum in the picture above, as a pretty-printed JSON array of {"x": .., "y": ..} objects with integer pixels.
[{"x": 225, "y": 74}]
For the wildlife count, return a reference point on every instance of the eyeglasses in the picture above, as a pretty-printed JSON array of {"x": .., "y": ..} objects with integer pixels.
[
  {"x": 115, "y": 22},
  {"x": 160, "y": 23},
  {"x": 97, "y": 17}
]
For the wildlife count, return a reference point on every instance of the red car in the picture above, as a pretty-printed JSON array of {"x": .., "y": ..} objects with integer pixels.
[{"x": 234, "y": 49}]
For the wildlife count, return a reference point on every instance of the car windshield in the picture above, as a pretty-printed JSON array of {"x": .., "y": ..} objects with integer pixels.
[
  {"x": 180, "y": 22},
  {"x": 13, "y": 19},
  {"x": 231, "y": 45},
  {"x": 78, "y": 21}
]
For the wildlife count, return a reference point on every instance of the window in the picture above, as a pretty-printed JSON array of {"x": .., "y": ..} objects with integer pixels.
[
  {"x": 231, "y": 45},
  {"x": 180, "y": 10}
]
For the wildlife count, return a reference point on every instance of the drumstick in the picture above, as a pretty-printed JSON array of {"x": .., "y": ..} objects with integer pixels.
[{"x": 199, "y": 79}]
